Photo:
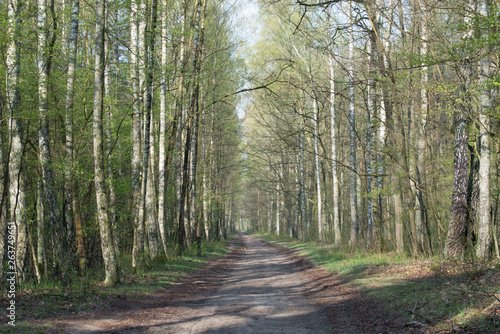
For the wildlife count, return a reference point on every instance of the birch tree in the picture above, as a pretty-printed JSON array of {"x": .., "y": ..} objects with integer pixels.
[
  {"x": 112, "y": 275},
  {"x": 484, "y": 210},
  {"x": 333, "y": 138},
  {"x": 44, "y": 54},
  {"x": 72, "y": 215},
  {"x": 352, "y": 135},
  {"x": 17, "y": 188}
]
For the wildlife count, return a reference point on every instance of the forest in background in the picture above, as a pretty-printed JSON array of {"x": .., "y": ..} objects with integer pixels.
[
  {"x": 381, "y": 132},
  {"x": 368, "y": 125},
  {"x": 119, "y": 133}
]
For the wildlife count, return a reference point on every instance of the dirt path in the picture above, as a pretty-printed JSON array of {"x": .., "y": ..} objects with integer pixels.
[{"x": 256, "y": 288}]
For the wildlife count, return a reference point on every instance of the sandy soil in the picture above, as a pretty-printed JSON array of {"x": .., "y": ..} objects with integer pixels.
[{"x": 255, "y": 288}]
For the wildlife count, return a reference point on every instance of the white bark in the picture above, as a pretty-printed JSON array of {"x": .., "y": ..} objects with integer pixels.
[
  {"x": 484, "y": 210},
  {"x": 109, "y": 143},
  {"x": 317, "y": 170},
  {"x": 70, "y": 90},
  {"x": 136, "y": 124},
  {"x": 421, "y": 140},
  {"x": 303, "y": 202},
  {"x": 372, "y": 110},
  {"x": 278, "y": 209},
  {"x": 162, "y": 186},
  {"x": 335, "y": 178},
  {"x": 352, "y": 132},
  {"x": 54, "y": 217},
  {"x": 108, "y": 250},
  {"x": 148, "y": 200},
  {"x": 295, "y": 233}
]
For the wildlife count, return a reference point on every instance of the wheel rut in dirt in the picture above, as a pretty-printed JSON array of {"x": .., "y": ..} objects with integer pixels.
[{"x": 256, "y": 288}]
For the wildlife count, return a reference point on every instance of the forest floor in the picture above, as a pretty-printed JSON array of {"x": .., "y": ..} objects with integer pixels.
[{"x": 262, "y": 287}]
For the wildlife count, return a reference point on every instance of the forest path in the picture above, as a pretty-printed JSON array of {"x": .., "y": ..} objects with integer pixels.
[{"x": 256, "y": 288}]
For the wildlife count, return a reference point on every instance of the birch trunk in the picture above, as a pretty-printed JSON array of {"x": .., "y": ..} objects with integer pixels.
[
  {"x": 422, "y": 135},
  {"x": 484, "y": 211},
  {"x": 270, "y": 213},
  {"x": 162, "y": 186},
  {"x": 317, "y": 170},
  {"x": 335, "y": 179},
  {"x": 109, "y": 145},
  {"x": 204, "y": 187},
  {"x": 303, "y": 202},
  {"x": 382, "y": 130},
  {"x": 147, "y": 205},
  {"x": 69, "y": 194},
  {"x": 353, "y": 140},
  {"x": 278, "y": 210},
  {"x": 198, "y": 56},
  {"x": 53, "y": 212},
  {"x": 136, "y": 130},
  {"x": 112, "y": 275},
  {"x": 296, "y": 232},
  {"x": 371, "y": 111}
]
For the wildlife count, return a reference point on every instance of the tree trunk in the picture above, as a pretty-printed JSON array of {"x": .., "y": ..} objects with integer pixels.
[
  {"x": 41, "y": 262},
  {"x": 317, "y": 171},
  {"x": 109, "y": 145},
  {"x": 303, "y": 201},
  {"x": 352, "y": 134},
  {"x": 335, "y": 179},
  {"x": 150, "y": 193},
  {"x": 17, "y": 190},
  {"x": 44, "y": 52},
  {"x": 198, "y": 57},
  {"x": 137, "y": 253},
  {"x": 484, "y": 211},
  {"x": 372, "y": 110},
  {"x": 162, "y": 185},
  {"x": 456, "y": 238},
  {"x": 112, "y": 275}
]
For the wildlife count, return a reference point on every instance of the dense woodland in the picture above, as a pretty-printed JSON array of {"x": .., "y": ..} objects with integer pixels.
[
  {"x": 380, "y": 131},
  {"x": 367, "y": 124}
]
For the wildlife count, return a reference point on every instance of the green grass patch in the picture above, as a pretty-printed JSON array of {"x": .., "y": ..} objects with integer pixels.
[
  {"x": 442, "y": 294},
  {"x": 50, "y": 300}
]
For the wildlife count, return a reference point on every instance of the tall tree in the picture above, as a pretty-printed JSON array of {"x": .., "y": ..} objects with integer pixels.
[
  {"x": 484, "y": 210},
  {"x": 71, "y": 210},
  {"x": 17, "y": 187},
  {"x": 59, "y": 239},
  {"x": 352, "y": 135},
  {"x": 112, "y": 273}
]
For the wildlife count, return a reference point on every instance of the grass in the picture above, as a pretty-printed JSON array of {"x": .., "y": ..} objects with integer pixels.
[
  {"x": 50, "y": 300},
  {"x": 441, "y": 294}
]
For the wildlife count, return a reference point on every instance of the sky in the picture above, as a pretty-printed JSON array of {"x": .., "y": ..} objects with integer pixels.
[{"x": 247, "y": 27}]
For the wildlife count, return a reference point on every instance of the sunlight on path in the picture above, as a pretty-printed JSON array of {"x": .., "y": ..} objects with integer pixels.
[{"x": 258, "y": 290}]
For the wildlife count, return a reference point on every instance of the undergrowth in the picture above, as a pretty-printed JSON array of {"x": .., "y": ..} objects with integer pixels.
[{"x": 50, "y": 300}]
